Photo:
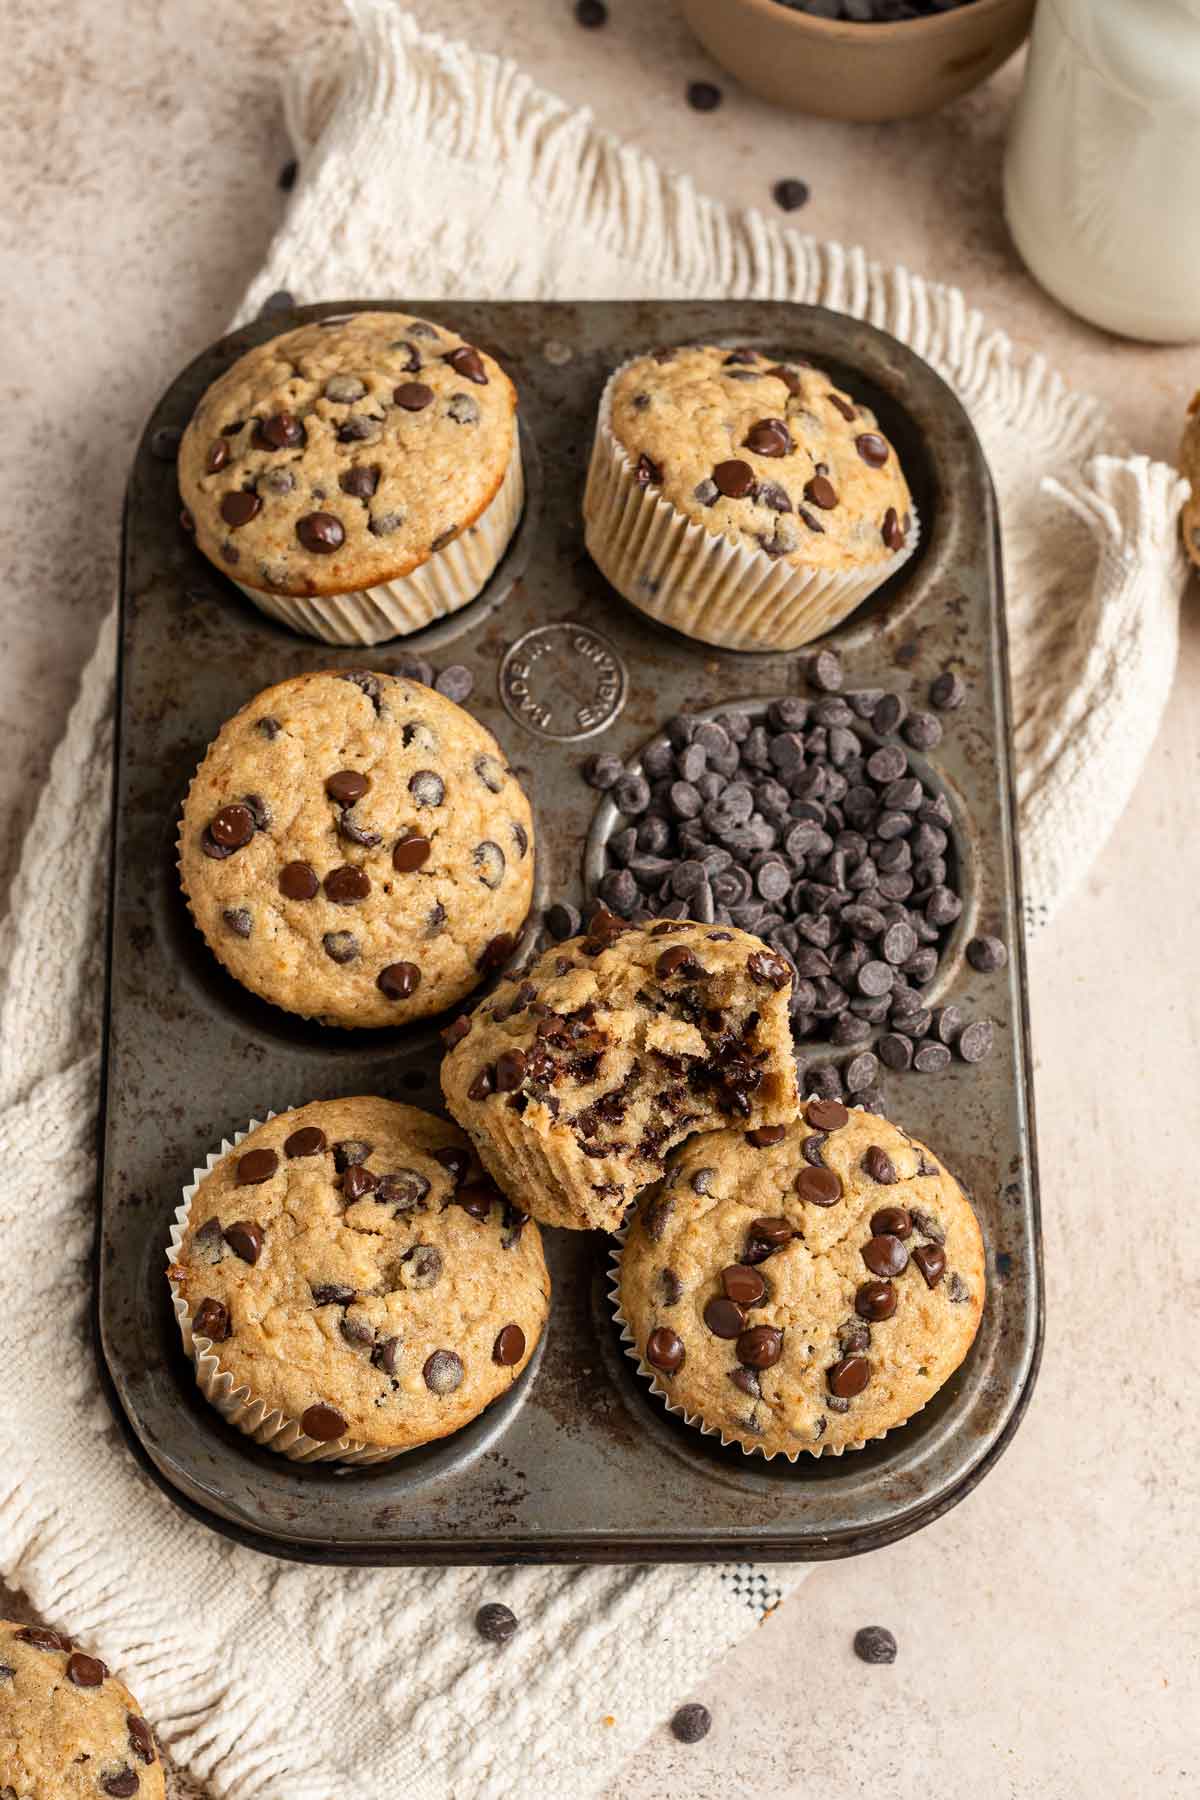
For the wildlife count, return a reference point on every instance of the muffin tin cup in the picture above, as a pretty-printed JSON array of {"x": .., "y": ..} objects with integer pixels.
[
  {"x": 239, "y": 1404},
  {"x": 448, "y": 580},
  {"x": 699, "y": 582},
  {"x": 697, "y": 1420}
]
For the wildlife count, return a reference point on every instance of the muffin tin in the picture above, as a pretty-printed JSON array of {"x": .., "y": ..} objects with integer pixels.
[{"x": 579, "y": 1462}]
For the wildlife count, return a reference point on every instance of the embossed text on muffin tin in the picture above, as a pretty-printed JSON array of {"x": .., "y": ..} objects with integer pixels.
[{"x": 563, "y": 681}]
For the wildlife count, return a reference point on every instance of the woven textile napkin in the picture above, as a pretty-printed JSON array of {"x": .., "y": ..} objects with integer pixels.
[{"x": 429, "y": 169}]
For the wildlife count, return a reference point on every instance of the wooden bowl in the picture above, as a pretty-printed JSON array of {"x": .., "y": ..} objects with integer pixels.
[{"x": 865, "y": 72}]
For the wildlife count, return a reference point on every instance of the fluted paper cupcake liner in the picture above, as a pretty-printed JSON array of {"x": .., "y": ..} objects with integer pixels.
[
  {"x": 446, "y": 581},
  {"x": 697, "y": 1420},
  {"x": 700, "y": 583},
  {"x": 238, "y": 1403}
]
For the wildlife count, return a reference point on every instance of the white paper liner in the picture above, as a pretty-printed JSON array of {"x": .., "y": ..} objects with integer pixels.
[
  {"x": 444, "y": 582},
  {"x": 698, "y": 582},
  {"x": 695, "y": 1420},
  {"x": 267, "y": 1425}
]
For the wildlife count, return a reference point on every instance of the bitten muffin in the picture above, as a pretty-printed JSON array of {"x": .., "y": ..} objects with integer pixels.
[
  {"x": 1189, "y": 463},
  {"x": 344, "y": 1278},
  {"x": 355, "y": 848},
  {"x": 574, "y": 1080},
  {"x": 808, "y": 1293},
  {"x": 357, "y": 478},
  {"x": 68, "y": 1729},
  {"x": 747, "y": 502}
]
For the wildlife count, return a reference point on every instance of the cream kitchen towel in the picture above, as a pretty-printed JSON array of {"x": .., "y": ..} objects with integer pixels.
[{"x": 430, "y": 170}]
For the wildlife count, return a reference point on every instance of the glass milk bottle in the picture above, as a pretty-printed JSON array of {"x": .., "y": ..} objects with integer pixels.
[{"x": 1102, "y": 173}]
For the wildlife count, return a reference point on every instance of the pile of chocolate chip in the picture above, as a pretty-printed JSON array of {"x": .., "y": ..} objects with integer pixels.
[
  {"x": 823, "y": 842},
  {"x": 873, "y": 12}
]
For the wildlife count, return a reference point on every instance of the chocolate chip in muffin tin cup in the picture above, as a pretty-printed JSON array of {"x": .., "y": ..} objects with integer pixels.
[
  {"x": 239, "y": 1405},
  {"x": 449, "y": 579},
  {"x": 696, "y": 1420},
  {"x": 701, "y": 583}
]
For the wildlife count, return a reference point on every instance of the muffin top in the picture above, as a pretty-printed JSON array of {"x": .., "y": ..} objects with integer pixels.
[
  {"x": 355, "y": 848},
  {"x": 807, "y": 1294},
  {"x": 344, "y": 454},
  {"x": 575, "y": 1078},
  {"x": 349, "y": 1264},
  {"x": 68, "y": 1729},
  {"x": 772, "y": 456}
]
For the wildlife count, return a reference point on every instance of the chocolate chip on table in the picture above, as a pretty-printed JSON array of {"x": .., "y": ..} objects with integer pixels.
[
  {"x": 987, "y": 954},
  {"x": 790, "y": 194},
  {"x": 703, "y": 96},
  {"x": 456, "y": 682},
  {"x": 164, "y": 443},
  {"x": 691, "y": 1723},
  {"x": 874, "y": 1644},
  {"x": 931, "y": 1058},
  {"x": 947, "y": 691},
  {"x": 325, "y": 1423},
  {"x": 495, "y": 1623},
  {"x": 976, "y": 1040},
  {"x": 923, "y": 730}
]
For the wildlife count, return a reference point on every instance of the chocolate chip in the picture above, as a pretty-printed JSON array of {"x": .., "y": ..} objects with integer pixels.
[
  {"x": 325, "y": 1423},
  {"x": 931, "y": 1260},
  {"x": 347, "y": 885},
  {"x": 496, "y": 951},
  {"x": 764, "y": 1136},
  {"x": 443, "y": 1372},
  {"x": 948, "y": 691},
  {"x": 347, "y": 786},
  {"x": 876, "y": 1300},
  {"x": 413, "y": 396},
  {"x": 987, "y": 954},
  {"x": 790, "y": 194},
  {"x": 872, "y": 448},
  {"x": 821, "y": 492},
  {"x": 164, "y": 444},
  {"x": 427, "y": 788},
  {"x": 333, "y": 1294},
  {"x": 931, "y": 1059},
  {"x": 211, "y": 1321},
  {"x": 218, "y": 455},
  {"x": 724, "y": 1318},
  {"x": 245, "y": 1239},
  {"x": 357, "y": 1182},
  {"x": 231, "y": 828},
  {"x": 885, "y": 1255},
  {"x": 743, "y": 1285},
  {"x": 298, "y": 881},
  {"x": 489, "y": 861},
  {"x": 874, "y": 1644},
  {"x": 879, "y": 1165},
  {"x": 510, "y": 1071},
  {"x": 889, "y": 714},
  {"x": 769, "y": 437},
  {"x": 818, "y": 1186},
  {"x": 238, "y": 921},
  {"x": 895, "y": 1221},
  {"x": 399, "y": 980},
  {"x": 456, "y": 682},
  {"x": 509, "y": 1346},
  {"x": 321, "y": 533},
  {"x": 768, "y": 970},
  {"x": 825, "y": 672},
  {"x": 957, "y": 1289},
  {"x": 384, "y": 524},
  {"x": 468, "y": 363},
  {"x": 826, "y": 1115},
  {"x": 343, "y": 390},
  {"x": 120, "y": 1785},
  {"x": 495, "y": 1623},
  {"x": 141, "y": 1738},
  {"x": 239, "y": 507},
  {"x": 976, "y": 1041},
  {"x": 734, "y": 479},
  {"x": 647, "y": 473},
  {"x": 691, "y": 1723},
  {"x": 760, "y": 1347},
  {"x": 340, "y": 946},
  {"x": 848, "y": 1377},
  {"x": 40, "y": 1637},
  {"x": 664, "y": 1350}
]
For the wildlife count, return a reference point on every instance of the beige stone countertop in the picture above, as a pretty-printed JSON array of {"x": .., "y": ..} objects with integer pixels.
[{"x": 1048, "y": 1625}]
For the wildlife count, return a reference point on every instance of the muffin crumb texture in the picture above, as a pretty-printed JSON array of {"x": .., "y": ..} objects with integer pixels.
[
  {"x": 349, "y": 1263},
  {"x": 577, "y": 1077},
  {"x": 808, "y": 1293},
  {"x": 69, "y": 1730}
]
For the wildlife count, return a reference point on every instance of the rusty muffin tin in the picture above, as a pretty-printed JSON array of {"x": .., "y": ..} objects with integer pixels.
[{"x": 579, "y": 1462}]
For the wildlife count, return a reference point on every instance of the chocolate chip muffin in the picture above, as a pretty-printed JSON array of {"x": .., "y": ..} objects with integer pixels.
[
  {"x": 355, "y": 848},
  {"x": 68, "y": 1729},
  {"x": 747, "y": 502},
  {"x": 356, "y": 478},
  {"x": 807, "y": 1292},
  {"x": 349, "y": 1285},
  {"x": 1189, "y": 463},
  {"x": 576, "y": 1078}
]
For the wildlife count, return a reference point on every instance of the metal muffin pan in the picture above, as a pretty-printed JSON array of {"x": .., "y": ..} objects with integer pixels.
[{"x": 578, "y": 1463}]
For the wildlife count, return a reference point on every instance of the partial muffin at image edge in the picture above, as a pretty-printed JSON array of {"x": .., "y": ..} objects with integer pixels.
[
  {"x": 749, "y": 503},
  {"x": 357, "y": 479},
  {"x": 577, "y": 1076},
  {"x": 348, "y": 1284},
  {"x": 807, "y": 1295},
  {"x": 354, "y": 848},
  {"x": 69, "y": 1730}
]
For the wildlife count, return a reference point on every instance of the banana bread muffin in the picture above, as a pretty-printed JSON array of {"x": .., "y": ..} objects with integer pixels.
[
  {"x": 744, "y": 501},
  {"x": 355, "y": 848},
  {"x": 68, "y": 1729},
  {"x": 348, "y": 1285},
  {"x": 356, "y": 478},
  {"x": 574, "y": 1080},
  {"x": 806, "y": 1294}
]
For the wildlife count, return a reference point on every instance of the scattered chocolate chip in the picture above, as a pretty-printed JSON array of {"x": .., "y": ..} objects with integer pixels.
[
  {"x": 987, "y": 954},
  {"x": 874, "y": 1644},
  {"x": 947, "y": 691},
  {"x": 496, "y": 1623},
  {"x": 790, "y": 194},
  {"x": 443, "y": 1372},
  {"x": 456, "y": 682},
  {"x": 703, "y": 96},
  {"x": 931, "y": 1058},
  {"x": 975, "y": 1041},
  {"x": 164, "y": 443},
  {"x": 691, "y": 1723}
]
